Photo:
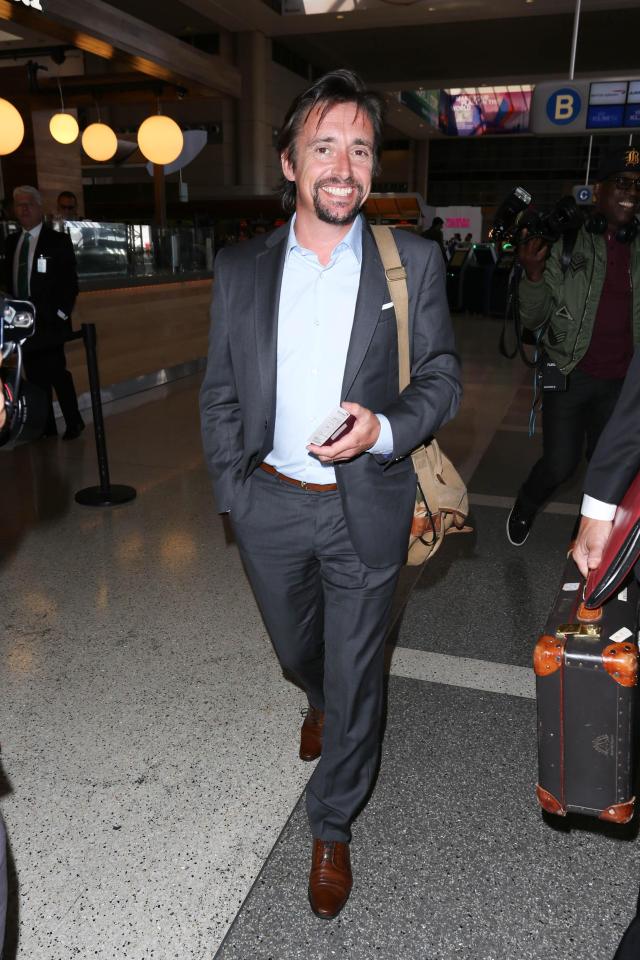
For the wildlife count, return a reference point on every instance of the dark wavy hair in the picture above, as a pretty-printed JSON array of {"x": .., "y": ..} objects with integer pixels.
[{"x": 339, "y": 86}]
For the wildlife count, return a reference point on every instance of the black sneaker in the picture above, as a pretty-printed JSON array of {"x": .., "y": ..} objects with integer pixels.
[{"x": 519, "y": 524}]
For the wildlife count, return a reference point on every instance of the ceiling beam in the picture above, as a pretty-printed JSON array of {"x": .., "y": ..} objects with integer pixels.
[
  {"x": 376, "y": 14},
  {"x": 88, "y": 89},
  {"x": 100, "y": 29},
  {"x": 237, "y": 16}
]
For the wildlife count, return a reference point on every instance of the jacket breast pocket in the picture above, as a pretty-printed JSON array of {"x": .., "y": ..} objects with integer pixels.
[{"x": 387, "y": 315}]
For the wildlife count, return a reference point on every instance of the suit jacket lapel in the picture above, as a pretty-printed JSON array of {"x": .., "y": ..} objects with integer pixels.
[
  {"x": 372, "y": 293},
  {"x": 268, "y": 281}
]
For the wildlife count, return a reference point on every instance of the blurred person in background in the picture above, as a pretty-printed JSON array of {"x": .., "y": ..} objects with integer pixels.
[
  {"x": 435, "y": 233},
  {"x": 40, "y": 266},
  {"x": 67, "y": 206}
]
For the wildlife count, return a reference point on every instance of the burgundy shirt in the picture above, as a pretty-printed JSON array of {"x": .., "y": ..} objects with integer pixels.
[{"x": 611, "y": 347}]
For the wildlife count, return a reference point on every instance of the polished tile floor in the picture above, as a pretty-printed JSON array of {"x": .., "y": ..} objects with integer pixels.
[{"x": 149, "y": 779}]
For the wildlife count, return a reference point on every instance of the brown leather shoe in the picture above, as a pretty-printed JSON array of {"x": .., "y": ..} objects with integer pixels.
[
  {"x": 311, "y": 734},
  {"x": 330, "y": 880}
]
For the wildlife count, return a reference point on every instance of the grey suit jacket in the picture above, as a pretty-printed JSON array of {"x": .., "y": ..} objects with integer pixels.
[
  {"x": 616, "y": 459},
  {"x": 238, "y": 396}
]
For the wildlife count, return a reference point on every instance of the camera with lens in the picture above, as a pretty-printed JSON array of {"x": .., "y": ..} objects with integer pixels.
[
  {"x": 25, "y": 404},
  {"x": 517, "y": 220}
]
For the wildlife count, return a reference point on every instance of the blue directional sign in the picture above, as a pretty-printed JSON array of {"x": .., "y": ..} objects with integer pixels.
[
  {"x": 564, "y": 106},
  {"x": 578, "y": 106},
  {"x": 583, "y": 194}
]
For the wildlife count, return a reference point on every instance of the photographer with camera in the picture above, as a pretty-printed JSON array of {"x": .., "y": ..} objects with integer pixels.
[{"x": 582, "y": 297}]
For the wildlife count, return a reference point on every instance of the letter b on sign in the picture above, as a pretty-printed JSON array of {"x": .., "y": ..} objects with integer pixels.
[{"x": 563, "y": 106}]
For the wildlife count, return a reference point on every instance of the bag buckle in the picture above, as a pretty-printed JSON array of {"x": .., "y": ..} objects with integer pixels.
[{"x": 395, "y": 273}]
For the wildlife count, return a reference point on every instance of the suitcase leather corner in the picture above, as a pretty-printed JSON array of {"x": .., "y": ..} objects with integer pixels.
[{"x": 549, "y": 803}]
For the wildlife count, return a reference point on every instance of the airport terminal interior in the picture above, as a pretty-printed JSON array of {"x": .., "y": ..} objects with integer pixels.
[{"x": 150, "y": 783}]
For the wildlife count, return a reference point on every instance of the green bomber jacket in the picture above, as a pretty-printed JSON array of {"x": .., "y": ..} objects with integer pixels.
[{"x": 568, "y": 302}]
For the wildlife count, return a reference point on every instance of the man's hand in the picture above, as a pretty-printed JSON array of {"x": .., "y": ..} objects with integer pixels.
[
  {"x": 532, "y": 254},
  {"x": 590, "y": 543},
  {"x": 361, "y": 437}
]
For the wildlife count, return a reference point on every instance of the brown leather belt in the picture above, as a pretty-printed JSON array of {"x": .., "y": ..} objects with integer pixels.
[{"x": 314, "y": 487}]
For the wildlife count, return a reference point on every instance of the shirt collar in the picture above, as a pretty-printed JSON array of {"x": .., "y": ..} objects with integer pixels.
[{"x": 352, "y": 241}]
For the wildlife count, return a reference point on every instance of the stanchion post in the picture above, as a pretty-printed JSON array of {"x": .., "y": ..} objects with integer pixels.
[
  {"x": 107, "y": 494},
  {"x": 90, "y": 343}
]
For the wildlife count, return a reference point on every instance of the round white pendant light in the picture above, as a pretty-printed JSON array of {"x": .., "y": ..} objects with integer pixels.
[
  {"x": 11, "y": 128},
  {"x": 64, "y": 127},
  {"x": 99, "y": 142},
  {"x": 160, "y": 139}
]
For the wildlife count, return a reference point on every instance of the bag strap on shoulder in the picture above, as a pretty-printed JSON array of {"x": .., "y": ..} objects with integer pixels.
[{"x": 397, "y": 282}]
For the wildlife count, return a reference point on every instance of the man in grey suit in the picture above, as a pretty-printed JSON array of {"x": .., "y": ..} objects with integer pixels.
[{"x": 302, "y": 321}]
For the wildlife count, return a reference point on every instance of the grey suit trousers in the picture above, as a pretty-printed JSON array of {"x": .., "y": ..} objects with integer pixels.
[{"x": 327, "y": 615}]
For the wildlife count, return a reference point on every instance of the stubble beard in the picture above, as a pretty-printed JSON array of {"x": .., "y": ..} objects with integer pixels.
[{"x": 329, "y": 216}]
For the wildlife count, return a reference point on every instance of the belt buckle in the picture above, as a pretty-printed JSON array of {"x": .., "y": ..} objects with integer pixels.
[{"x": 303, "y": 484}]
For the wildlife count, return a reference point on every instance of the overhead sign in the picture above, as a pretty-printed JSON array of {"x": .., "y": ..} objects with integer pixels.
[
  {"x": 583, "y": 105},
  {"x": 583, "y": 194},
  {"x": 564, "y": 106},
  {"x": 477, "y": 111}
]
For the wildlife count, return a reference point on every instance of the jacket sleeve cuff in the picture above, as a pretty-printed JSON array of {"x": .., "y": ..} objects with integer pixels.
[
  {"x": 597, "y": 509},
  {"x": 384, "y": 444}
]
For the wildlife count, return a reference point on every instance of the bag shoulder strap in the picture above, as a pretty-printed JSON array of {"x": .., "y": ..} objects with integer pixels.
[{"x": 397, "y": 282}]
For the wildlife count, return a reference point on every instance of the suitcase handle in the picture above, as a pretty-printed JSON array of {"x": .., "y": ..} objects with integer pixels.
[{"x": 585, "y": 615}]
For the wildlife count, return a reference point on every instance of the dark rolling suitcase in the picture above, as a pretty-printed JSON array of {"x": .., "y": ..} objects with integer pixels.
[{"x": 586, "y": 665}]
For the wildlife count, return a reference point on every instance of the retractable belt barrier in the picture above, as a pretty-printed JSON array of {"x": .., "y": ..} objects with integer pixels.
[{"x": 107, "y": 494}]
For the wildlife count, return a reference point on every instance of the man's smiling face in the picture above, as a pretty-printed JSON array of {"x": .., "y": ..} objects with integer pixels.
[
  {"x": 618, "y": 198},
  {"x": 332, "y": 164}
]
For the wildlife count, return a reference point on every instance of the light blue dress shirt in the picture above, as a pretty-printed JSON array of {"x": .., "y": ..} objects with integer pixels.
[{"x": 317, "y": 305}]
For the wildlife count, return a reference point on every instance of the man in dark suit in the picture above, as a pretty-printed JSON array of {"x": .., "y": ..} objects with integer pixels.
[
  {"x": 302, "y": 321},
  {"x": 41, "y": 267},
  {"x": 615, "y": 463}
]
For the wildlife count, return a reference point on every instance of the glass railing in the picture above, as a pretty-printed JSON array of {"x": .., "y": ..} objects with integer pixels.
[{"x": 131, "y": 253}]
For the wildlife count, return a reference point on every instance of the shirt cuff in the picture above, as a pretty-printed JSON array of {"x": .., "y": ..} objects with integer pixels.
[
  {"x": 597, "y": 509},
  {"x": 384, "y": 444}
]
